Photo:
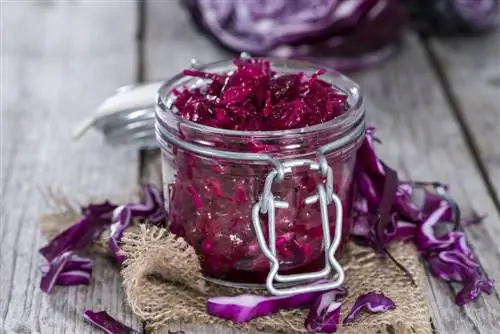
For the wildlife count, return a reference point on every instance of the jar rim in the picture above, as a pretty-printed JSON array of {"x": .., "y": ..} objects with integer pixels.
[{"x": 353, "y": 114}]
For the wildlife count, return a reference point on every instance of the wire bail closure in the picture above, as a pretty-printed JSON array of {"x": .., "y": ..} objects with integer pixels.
[{"x": 268, "y": 204}]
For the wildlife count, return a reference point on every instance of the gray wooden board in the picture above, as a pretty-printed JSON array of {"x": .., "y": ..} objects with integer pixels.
[
  {"x": 472, "y": 68},
  {"x": 60, "y": 59},
  {"x": 421, "y": 139}
]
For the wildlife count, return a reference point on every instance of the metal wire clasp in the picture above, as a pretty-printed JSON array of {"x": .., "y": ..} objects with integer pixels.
[{"x": 268, "y": 204}]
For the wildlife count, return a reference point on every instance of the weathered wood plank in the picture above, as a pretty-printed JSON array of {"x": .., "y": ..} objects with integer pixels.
[
  {"x": 171, "y": 41},
  {"x": 59, "y": 61},
  {"x": 414, "y": 121},
  {"x": 471, "y": 68},
  {"x": 422, "y": 141}
]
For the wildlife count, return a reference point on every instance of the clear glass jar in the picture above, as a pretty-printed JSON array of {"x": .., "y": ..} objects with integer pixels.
[{"x": 213, "y": 179}]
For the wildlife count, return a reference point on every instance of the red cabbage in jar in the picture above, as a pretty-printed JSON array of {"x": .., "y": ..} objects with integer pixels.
[{"x": 284, "y": 109}]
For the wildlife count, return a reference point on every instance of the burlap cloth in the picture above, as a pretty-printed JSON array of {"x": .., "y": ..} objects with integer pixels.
[{"x": 163, "y": 284}]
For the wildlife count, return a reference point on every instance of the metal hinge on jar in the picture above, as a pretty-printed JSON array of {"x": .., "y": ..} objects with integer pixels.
[{"x": 268, "y": 204}]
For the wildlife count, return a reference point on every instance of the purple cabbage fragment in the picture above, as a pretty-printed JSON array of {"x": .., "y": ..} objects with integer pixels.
[
  {"x": 404, "y": 205},
  {"x": 447, "y": 254},
  {"x": 74, "y": 277},
  {"x": 367, "y": 150},
  {"x": 451, "y": 265},
  {"x": 243, "y": 308},
  {"x": 426, "y": 237},
  {"x": 106, "y": 323},
  {"x": 405, "y": 231},
  {"x": 96, "y": 218},
  {"x": 150, "y": 209},
  {"x": 370, "y": 302},
  {"x": 375, "y": 221},
  {"x": 60, "y": 251},
  {"x": 79, "y": 263},
  {"x": 456, "y": 262},
  {"x": 122, "y": 217},
  {"x": 66, "y": 270},
  {"x": 362, "y": 219},
  {"x": 65, "y": 267},
  {"x": 472, "y": 289},
  {"x": 324, "y": 314}
]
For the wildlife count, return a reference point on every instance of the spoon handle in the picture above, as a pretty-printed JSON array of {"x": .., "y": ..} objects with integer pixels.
[{"x": 126, "y": 99}]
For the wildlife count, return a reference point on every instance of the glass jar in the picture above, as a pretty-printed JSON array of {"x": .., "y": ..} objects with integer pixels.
[{"x": 254, "y": 203}]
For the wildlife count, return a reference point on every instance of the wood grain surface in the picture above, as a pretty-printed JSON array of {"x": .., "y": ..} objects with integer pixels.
[
  {"x": 470, "y": 68},
  {"x": 59, "y": 61}
]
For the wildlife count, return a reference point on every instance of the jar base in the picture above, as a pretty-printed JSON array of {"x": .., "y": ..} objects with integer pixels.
[
  {"x": 256, "y": 279},
  {"x": 253, "y": 286}
]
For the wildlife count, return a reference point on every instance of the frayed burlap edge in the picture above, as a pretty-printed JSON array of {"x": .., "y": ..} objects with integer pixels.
[{"x": 163, "y": 284}]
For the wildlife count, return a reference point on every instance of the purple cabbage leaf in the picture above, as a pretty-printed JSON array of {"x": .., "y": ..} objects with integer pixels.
[
  {"x": 242, "y": 308},
  {"x": 65, "y": 267},
  {"x": 371, "y": 302},
  {"x": 60, "y": 252},
  {"x": 447, "y": 254},
  {"x": 107, "y": 324},
  {"x": 324, "y": 313},
  {"x": 150, "y": 209}
]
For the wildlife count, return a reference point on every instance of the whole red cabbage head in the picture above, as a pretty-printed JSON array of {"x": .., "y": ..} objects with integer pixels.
[{"x": 342, "y": 33}]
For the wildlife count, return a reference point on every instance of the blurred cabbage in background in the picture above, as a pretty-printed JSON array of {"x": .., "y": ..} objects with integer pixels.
[
  {"x": 344, "y": 34},
  {"x": 452, "y": 17}
]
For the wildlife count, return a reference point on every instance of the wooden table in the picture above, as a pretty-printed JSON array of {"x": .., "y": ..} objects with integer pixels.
[{"x": 436, "y": 105}]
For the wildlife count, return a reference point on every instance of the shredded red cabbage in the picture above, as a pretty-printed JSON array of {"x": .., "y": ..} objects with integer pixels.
[
  {"x": 65, "y": 267},
  {"x": 109, "y": 325},
  {"x": 105, "y": 322},
  {"x": 66, "y": 270},
  {"x": 426, "y": 238},
  {"x": 472, "y": 289},
  {"x": 324, "y": 313},
  {"x": 379, "y": 192},
  {"x": 243, "y": 308},
  {"x": 150, "y": 209},
  {"x": 342, "y": 34},
  {"x": 447, "y": 254},
  {"x": 255, "y": 98},
  {"x": 371, "y": 302},
  {"x": 96, "y": 218}
]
